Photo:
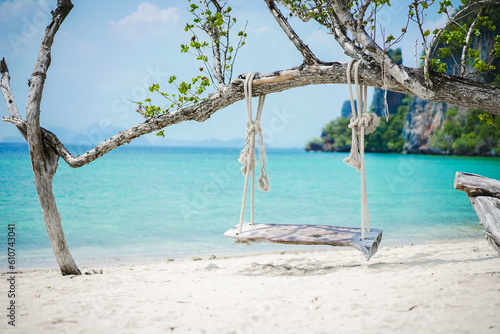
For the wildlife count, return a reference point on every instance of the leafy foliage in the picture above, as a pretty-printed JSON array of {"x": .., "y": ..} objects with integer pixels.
[
  {"x": 388, "y": 136},
  {"x": 466, "y": 134},
  {"x": 217, "y": 23},
  {"x": 216, "y": 55},
  {"x": 454, "y": 46},
  {"x": 460, "y": 49},
  {"x": 336, "y": 135}
]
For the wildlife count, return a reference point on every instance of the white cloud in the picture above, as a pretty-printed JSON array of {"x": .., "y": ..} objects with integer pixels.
[
  {"x": 439, "y": 23},
  {"x": 147, "y": 19},
  {"x": 260, "y": 30}
]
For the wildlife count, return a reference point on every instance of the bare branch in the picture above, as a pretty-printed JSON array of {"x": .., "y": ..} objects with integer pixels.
[
  {"x": 463, "y": 59},
  {"x": 8, "y": 95},
  {"x": 7, "y": 91},
  {"x": 340, "y": 35},
  {"x": 427, "y": 50},
  {"x": 216, "y": 4},
  {"x": 416, "y": 53},
  {"x": 362, "y": 11},
  {"x": 309, "y": 57},
  {"x": 214, "y": 35},
  {"x": 38, "y": 80},
  {"x": 399, "y": 73}
]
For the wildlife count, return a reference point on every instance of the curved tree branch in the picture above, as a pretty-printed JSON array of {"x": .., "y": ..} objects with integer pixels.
[
  {"x": 336, "y": 29},
  {"x": 362, "y": 11},
  {"x": 309, "y": 57},
  {"x": 448, "y": 89},
  {"x": 7, "y": 91},
  {"x": 463, "y": 57},
  {"x": 214, "y": 35},
  {"x": 8, "y": 95},
  {"x": 400, "y": 73}
]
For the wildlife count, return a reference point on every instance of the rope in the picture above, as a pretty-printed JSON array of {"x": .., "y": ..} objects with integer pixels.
[
  {"x": 384, "y": 81},
  {"x": 247, "y": 156},
  {"x": 361, "y": 123}
]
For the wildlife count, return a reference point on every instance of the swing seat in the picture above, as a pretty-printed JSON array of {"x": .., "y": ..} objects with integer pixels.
[{"x": 308, "y": 235}]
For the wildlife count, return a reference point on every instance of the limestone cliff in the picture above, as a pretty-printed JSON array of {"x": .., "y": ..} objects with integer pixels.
[
  {"x": 422, "y": 120},
  {"x": 346, "y": 109},
  {"x": 394, "y": 100}
]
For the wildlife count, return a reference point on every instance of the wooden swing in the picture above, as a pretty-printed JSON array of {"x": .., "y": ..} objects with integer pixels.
[{"x": 364, "y": 239}]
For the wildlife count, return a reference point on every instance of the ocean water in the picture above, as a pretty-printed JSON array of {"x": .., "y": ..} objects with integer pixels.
[{"x": 141, "y": 204}]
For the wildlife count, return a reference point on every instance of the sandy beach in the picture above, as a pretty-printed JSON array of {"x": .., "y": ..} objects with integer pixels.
[{"x": 436, "y": 288}]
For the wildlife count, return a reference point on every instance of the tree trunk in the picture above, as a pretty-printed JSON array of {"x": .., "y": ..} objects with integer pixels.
[
  {"x": 43, "y": 158},
  {"x": 44, "y": 168}
]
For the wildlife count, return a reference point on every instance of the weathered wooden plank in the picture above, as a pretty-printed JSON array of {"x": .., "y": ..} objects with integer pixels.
[
  {"x": 488, "y": 212},
  {"x": 308, "y": 235},
  {"x": 477, "y": 185},
  {"x": 484, "y": 195}
]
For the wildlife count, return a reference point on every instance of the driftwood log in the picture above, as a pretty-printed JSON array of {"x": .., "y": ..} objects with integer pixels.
[{"x": 484, "y": 195}]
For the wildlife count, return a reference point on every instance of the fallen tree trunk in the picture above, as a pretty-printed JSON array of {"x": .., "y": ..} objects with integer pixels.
[{"x": 484, "y": 195}]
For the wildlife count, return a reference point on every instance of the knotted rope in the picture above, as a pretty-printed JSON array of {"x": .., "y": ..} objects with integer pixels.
[
  {"x": 247, "y": 156},
  {"x": 361, "y": 123}
]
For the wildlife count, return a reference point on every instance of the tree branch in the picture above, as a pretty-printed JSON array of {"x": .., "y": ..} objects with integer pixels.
[
  {"x": 8, "y": 95},
  {"x": 400, "y": 73},
  {"x": 449, "y": 89},
  {"x": 217, "y": 5},
  {"x": 309, "y": 57},
  {"x": 44, "y": 159},
  {"x": 463, "y": 57},
  {"x": 338, "y": 32},
  {"x": 362, "y": 11},
  {"x": 301, "y": 13},
  {"x": 427, "y": 50},
  {"x": 350, "y": 48},
  {"x": 36, "y": 87},
  {"x": 214, "y": 35},
  {"x": 7, "y": 91}
]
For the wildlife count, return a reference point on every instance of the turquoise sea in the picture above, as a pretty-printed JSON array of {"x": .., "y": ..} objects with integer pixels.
[{"x": 141, "y": 204}]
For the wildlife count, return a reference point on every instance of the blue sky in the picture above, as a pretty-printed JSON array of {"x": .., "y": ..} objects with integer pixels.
[{"x": 108, "y": 52}]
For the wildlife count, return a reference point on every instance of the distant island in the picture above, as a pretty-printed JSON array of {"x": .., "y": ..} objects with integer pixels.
[{"x": 94, "y": 134}]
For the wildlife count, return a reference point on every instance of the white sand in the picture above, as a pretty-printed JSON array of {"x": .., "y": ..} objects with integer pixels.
[{"x": 437, "y": 288}]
